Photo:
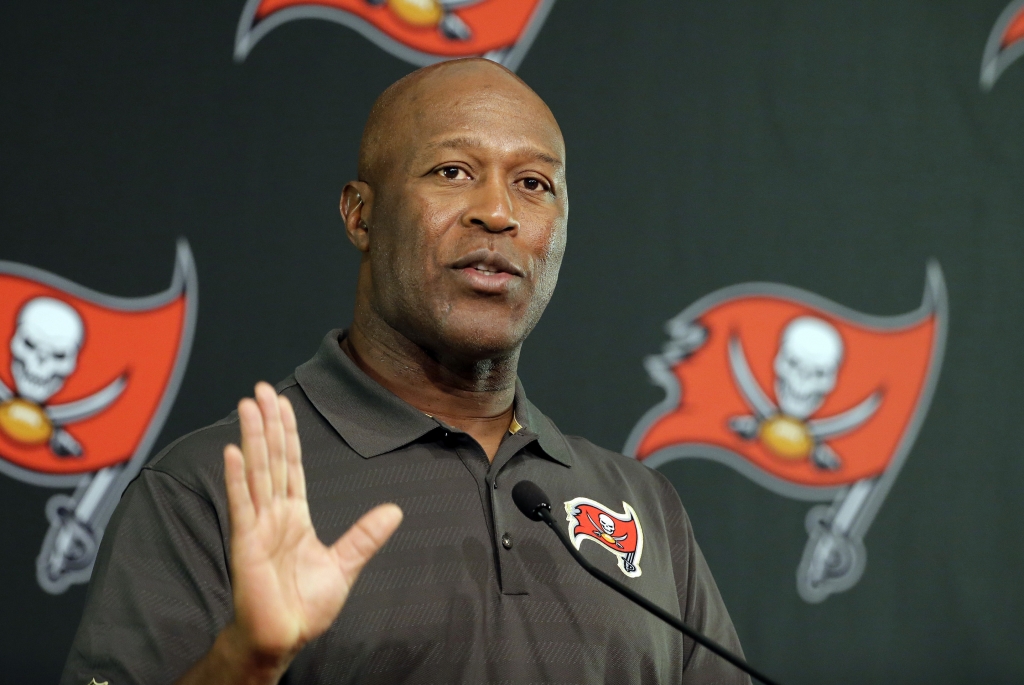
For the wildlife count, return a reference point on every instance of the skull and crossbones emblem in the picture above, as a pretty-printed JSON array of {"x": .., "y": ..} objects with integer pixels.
[
  {"x": 604, "y": 527},
  {"x": 44, "y": 353},
  {"x": 432, "y": 13},
  {"x": 806, "y": 370}
]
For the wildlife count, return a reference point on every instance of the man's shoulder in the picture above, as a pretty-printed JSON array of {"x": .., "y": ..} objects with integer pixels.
[
  {"x": 585, "y": 449},
  {"x": 589, "y": 455},
  {"x": 196, "y": 459},
  {"x": 616, "y": 463}
]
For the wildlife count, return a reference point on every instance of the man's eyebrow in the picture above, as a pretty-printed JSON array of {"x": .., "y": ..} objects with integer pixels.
[
  {"x": 470, "y": 142},
  {"x": 550, "y": 159},
  {"x": 451, "y": 143}
]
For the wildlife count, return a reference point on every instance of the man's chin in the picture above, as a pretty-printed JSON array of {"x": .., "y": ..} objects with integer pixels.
[
  {"x": 482, "y": 345},
  {"x": 477, "y": 339}
]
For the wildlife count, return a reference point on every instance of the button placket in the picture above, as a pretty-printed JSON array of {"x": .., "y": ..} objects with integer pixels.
[{"x": 506, "y": 519}]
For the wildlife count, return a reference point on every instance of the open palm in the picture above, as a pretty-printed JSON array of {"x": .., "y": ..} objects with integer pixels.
[{"x": 288, "y": 586}]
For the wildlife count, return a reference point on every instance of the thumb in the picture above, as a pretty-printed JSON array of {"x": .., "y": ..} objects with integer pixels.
[{"x": 365, "y": 538}]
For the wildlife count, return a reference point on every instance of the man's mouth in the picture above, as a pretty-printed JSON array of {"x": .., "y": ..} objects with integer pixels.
[
  {"x": 488, "y": 271},
  {"x": 488, "y": 262}
]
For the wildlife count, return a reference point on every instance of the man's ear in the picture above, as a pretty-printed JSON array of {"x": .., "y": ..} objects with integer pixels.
[{"x": 356, "y": 208}]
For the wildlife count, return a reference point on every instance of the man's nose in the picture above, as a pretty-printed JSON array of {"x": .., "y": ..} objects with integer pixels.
[{"x": 491, "y": 208}]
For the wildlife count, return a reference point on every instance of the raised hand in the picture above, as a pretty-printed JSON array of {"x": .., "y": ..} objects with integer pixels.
[{"x": 288, "y": 586}]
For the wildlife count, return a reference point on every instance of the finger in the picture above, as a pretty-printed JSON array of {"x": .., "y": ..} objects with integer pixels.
[
  {"x": 274, "y": 433},
  {"x": 240, "y": 507},
  {"x": 254, "y": 449},
  {"x": 365, "y": 538},
  {"x": 293, "y": 450}
]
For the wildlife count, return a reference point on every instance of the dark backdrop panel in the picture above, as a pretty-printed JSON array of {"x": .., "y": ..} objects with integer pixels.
[{"x": 830, "y": 147}]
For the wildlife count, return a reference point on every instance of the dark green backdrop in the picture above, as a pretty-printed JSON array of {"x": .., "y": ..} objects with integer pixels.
[{"x": 833, "y": 147}]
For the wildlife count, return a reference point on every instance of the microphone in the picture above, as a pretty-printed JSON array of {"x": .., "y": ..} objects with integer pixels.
[{"x": 535, "y": 505}]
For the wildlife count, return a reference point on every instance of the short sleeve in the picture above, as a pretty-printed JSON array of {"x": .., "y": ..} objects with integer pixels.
[
  {"x": 700, "y": 603},
  {"x": 160, "y": 591}
]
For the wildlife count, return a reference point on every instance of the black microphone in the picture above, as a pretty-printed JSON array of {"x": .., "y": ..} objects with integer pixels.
[{"x": 536, "y": 506}]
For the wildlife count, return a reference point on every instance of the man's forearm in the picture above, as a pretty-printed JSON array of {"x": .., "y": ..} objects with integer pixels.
[{"x": 230, "y": 661}]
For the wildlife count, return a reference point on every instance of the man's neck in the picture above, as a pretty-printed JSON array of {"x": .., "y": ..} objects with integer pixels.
[{"x": 476, "y": 397}]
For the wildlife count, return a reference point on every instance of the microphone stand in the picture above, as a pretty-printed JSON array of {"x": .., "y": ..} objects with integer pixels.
[{"x": 544, "y": 513}]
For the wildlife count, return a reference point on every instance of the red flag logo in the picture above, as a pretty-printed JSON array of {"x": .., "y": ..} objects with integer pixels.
[
  {"x": 419, "y": 31},
  {"x": 1005, "y": 44},
  {"x": 810, "y": 399},
  {"x": 620, "y": 534},
  {"x": 86, "y": 381}
]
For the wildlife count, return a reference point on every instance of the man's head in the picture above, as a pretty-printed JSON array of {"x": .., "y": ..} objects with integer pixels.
[{"x": 460, "y": 209}]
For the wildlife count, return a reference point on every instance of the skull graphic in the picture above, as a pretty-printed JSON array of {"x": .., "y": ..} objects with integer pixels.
[
  {"x": 806, "y": 369},
  {"x": 45, "y": 347},
  {"x": 806, "y": 365},
  {"x": 606, "y": 523}
]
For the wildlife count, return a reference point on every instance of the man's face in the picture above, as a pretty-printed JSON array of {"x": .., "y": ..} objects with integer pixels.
[{"x": 468, "y": 224}]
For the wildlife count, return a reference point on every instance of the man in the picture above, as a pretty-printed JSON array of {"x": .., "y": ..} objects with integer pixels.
[{"x": 213, "y": 570}]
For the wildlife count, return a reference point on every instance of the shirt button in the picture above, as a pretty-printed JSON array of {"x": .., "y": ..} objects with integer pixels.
[{"x": 506, "y": 541}]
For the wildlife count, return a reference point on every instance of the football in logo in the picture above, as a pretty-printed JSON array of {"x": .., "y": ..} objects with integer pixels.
[
  {"x": 620, "y": 534},
  {"x": 419, "y": 31},
  {"x": 1005, "y": 44},
  {"x": 807, "y": 398},
  {"x": 86, "y": 381}
]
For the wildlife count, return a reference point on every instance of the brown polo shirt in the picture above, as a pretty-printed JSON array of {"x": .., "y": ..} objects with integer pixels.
[{"x": 467, "y": 590}]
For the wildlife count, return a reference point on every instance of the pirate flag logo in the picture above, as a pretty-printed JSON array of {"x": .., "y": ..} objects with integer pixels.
[
  {"x": 86, "y": 381},
  {"x": 810, "y": 399},
  {"x": 1005, "y": 44},
  {"x": 620, "y": 534},
  {"x": 419, "y": 31}
]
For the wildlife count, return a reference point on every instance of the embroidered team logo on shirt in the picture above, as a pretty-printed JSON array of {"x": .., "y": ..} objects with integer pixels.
[{"x": 620, "y": 534}]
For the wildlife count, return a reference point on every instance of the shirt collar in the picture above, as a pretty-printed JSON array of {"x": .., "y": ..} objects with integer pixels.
[
  {"x": 373, "y": 420},
  {"x": 533, "y": 423}
]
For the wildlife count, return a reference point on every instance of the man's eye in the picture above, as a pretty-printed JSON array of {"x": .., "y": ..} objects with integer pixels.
[
  {"x": 533, "y": 184},
  {"x": 452, "y": 173}
]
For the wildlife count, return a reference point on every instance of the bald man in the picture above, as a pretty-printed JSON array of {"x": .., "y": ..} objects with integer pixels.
[{"x": 233, "y": 557}]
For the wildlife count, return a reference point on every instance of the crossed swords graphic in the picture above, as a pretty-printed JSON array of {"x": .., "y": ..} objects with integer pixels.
[
  {"x": 599, "y": 532},
  {"x": 764, "y": 409},
  {"x": 62, "y": 442}
]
